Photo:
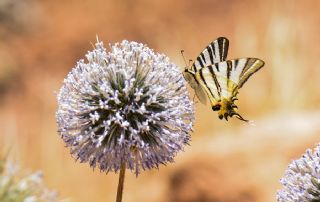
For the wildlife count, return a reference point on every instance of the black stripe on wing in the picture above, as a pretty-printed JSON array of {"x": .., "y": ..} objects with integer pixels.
[
  {"x": 229, "y": 69},
  {"x": 210, "y": 81},
  {"x": 223, "y": 44},
  {"x": 214, "y": 77},
  {"x": 211, "y": 54},
  {"x": 200, "y": 62}
]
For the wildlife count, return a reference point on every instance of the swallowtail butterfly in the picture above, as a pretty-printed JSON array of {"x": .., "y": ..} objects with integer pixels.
[{"x": 212, "y": 76}]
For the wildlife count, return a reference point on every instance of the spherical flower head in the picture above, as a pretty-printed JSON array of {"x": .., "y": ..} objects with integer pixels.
[
  {"x": 128, "y": 105},
  {"x": 302, "y": 179}
]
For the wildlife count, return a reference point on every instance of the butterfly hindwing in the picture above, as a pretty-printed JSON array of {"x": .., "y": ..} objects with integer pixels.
[
  {"x": 252, "y": 66},
  {"x": 222, "y": 80},
  {"x": 215, "y": 52},
  {"x": 239, "y": 70}
]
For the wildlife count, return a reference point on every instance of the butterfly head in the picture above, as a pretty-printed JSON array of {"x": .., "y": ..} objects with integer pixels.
[{"x": 227, "y": 108}]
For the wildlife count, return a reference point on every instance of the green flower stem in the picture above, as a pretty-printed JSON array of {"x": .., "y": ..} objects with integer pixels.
[{"x": 121, "y": 181}]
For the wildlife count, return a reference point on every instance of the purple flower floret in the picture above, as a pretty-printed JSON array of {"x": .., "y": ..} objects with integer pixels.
[{"x": 127, "y": 105}]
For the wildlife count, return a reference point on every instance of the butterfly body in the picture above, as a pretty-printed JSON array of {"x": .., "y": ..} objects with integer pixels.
[{"x": 212, "y": 76}]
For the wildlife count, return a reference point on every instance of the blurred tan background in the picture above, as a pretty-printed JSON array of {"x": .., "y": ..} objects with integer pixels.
[{"x": 40, "y": 41}]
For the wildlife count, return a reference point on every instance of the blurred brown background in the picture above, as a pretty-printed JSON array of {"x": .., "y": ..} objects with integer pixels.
[{"x": 40, "y": 41}]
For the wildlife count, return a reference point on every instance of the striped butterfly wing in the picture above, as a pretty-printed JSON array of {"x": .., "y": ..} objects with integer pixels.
[
  {"x": 222, "y": 80},
  {"x": 201, "y": 95},
  {"x": 251, "y": 66},
  {"x": 215, "y": 52}
]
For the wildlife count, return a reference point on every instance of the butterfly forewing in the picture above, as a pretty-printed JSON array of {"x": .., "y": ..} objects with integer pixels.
[{"x": 215, "y": 52}]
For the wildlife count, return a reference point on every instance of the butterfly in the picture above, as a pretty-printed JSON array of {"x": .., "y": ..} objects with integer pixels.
[{"x": 212, "y": 76}]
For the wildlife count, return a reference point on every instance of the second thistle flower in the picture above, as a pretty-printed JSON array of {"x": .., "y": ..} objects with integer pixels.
[{"x": 301, "y": 182}]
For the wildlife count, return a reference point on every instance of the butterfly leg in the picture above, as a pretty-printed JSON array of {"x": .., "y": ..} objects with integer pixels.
[{"x": 226, "y": 116}]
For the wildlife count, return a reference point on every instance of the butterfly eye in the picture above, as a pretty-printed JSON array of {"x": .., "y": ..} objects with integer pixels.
[
  {"x": 226, "y": 116},
  {"x": 216, "y": 107}
]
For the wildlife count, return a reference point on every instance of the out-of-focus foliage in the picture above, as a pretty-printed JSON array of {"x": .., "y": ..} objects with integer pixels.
[
  {"x": 18, "y": 186},
  {"x": 17, "y": 16}
]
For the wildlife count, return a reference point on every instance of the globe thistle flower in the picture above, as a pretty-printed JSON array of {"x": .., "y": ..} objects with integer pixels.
[
  {"x": 302, "y": 179},
  {"x": 129, "y": 105}
]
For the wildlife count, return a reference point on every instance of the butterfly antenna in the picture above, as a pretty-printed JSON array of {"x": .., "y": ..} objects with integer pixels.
[{"x": 184, "y": 59}]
